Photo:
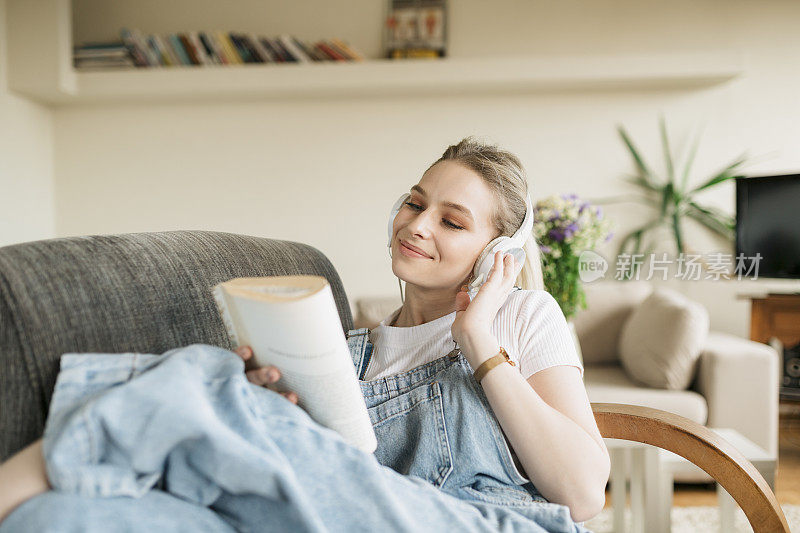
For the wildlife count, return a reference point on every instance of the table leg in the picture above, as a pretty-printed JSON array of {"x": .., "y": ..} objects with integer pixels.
[
  {"x": 666, "y": 492},
  {"x": 727, "y": 509},
  {"x": 617, "y": 480},
  {"x": 638, "y": 473},
  {"x": 650, "y": 503},
  {"x": 769, "y": 476}
]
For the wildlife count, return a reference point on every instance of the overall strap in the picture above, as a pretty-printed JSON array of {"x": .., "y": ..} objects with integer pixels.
[{"x": 360, "y": 349}]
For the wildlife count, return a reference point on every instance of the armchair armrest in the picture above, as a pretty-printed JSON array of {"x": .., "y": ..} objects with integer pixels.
[
  {"x": 730, "y": 366},
  {"x": 702, "y": 447}
]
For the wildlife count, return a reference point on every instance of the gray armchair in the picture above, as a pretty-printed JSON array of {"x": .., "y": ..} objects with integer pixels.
[{"x": 146, "y": 292}]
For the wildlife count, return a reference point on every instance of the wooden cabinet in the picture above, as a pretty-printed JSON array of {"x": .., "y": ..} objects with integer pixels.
[{"x": 776, "y": 315}]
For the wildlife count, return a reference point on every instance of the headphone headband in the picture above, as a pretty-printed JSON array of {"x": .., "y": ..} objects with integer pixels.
[{"x": 521, "y": 235}]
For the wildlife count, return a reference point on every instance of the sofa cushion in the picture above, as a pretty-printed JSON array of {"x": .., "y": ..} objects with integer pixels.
[
  {"x": 611, "y": 384},
  {"x": 661, "y": 341},
  {"x": 609, "y": 304}
]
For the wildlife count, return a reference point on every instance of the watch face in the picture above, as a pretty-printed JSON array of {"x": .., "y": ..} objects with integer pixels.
[{"x": 505, "y": 354}]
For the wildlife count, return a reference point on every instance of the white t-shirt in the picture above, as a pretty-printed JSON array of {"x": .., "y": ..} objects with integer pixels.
[{"x": 529, "y": 325}]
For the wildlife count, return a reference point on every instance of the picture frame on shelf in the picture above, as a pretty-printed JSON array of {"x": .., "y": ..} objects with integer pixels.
[{"x": 415, "y": 29}]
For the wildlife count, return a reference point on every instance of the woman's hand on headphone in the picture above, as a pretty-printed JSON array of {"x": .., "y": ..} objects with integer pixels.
[
  {"x": 263, "y": 376},
  {"x": 477, "y": 316}
]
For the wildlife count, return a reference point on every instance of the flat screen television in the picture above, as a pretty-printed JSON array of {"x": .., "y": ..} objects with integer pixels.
[{"x": 768, "y": 223}]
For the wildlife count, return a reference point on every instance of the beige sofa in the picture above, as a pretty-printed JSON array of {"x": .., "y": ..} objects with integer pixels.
[{"x": 735, "y": 383}]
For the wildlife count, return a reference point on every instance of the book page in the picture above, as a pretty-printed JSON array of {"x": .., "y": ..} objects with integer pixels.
[{"x": 292, "y": 322}]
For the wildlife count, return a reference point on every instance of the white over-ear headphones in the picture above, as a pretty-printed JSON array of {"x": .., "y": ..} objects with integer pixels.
[{"x": 513, "y": 245}]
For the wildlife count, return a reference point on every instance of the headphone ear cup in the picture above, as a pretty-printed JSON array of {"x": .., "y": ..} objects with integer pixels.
[{"x": 486, "y": 260}]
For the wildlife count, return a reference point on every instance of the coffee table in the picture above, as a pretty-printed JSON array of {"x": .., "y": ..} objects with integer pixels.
[
  {"x": 651, "y": 471},
  {"x": 640, "y": 463}
]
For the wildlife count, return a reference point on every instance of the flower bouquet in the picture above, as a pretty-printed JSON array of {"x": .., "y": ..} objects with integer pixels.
[{"x": 565, "y": 226}]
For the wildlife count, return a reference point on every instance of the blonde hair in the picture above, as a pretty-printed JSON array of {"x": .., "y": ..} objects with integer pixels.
[{"x": 503, "y": 173}]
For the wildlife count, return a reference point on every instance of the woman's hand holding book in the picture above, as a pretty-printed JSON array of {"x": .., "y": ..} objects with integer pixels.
[{"x": 262, "y": 376}]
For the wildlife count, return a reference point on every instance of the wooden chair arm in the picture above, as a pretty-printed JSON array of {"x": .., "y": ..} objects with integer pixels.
[{"x": 702, "y": 447}]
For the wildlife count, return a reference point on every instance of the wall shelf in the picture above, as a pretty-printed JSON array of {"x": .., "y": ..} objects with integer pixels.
[
  {"x": 40, "y": 68},
  {"x": 450, "y": 76}
]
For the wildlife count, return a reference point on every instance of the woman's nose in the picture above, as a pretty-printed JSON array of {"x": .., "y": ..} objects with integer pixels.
[{"x": 420, "y": 224}]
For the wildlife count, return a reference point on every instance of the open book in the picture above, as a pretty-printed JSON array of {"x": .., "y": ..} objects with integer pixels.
[{"x": 292, "y": 322}]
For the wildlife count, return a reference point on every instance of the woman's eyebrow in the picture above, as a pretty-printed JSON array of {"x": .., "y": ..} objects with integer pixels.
[{"x": 457, "y": 207}]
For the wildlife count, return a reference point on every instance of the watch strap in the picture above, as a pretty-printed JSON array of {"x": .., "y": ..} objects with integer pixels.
[{"x": 483, "y": 368}]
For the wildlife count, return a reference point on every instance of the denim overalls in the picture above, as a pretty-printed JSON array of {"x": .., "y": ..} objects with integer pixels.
[
  {"x": 435, "y": 422},
  {"x": 183, "y": 442}
]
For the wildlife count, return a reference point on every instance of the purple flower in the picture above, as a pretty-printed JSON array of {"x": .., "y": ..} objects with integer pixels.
[
  {"x": 610, "y": 234},
  {"x": 545, "y": 249},
  {"x": 570, "y": 230},
  {"x": 556, "y": 216},
  {"x": 556, "y": 234},
  {"x": 583, "y": 208},
  {"x": 598, "y": 211}
]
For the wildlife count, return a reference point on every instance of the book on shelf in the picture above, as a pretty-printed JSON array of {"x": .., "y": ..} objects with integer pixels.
[
  {"x": 103, "y": 63},
  {"x": 330, "y": 52},
  {"x": 349, "y": 50},
  {"x": 94, "y": 56},
  {"x": 160, "y": 54},
  {"x": 292, "y": 322},
  {"x": 189, "y": 49},
  {"x": 228, "y": 48},
  {"x": 216, "y": 46},
  {"x": 134, "y": 50},
  {"x": 163, "y": 43},
  {"x": 240, "y": 49},
  {"x": 263, "y": 52},
  {"x": 200, "y": 50},
  {"x": 291, "y": 47},
  {"x": 339, "y": 50},
  {"x": 150, "y": 54},
  {"x": 253, "y": 48},
  {"x": 277, "y": 52},
  {"x": 287, "y": 53},
  {"x": 308, "y": 50},
  {"x": 211, "y": 47},
  {"x": 177, "y": 47},
  {"x": 208, "y": 48}
]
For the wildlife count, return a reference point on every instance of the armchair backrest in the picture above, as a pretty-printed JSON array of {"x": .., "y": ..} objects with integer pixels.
[{"x": 140, "y": 292}]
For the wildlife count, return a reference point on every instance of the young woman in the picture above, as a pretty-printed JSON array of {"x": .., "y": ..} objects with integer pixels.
[{"x": 496, "y": 434}]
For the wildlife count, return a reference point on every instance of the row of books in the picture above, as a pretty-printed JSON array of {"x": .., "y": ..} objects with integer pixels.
[{"x": 207, "y": 48}]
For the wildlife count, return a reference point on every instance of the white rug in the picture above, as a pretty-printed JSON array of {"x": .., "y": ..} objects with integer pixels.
[{"x": 694, "y": 519}]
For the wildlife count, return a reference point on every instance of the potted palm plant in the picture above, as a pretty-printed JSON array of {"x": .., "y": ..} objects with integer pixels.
[{"x": 672, "y": 197}]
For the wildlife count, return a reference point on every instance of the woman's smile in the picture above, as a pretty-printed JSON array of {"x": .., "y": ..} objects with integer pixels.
[{"x": 405, "y": 250}]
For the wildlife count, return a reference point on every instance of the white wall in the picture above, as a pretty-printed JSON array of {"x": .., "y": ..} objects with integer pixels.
[
  {"x": 26, "y": 162},
  {"x": 326, "y": 171}
]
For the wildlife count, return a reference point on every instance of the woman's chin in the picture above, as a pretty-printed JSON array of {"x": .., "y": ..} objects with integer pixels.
[{"x": 401, "y": 273}]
